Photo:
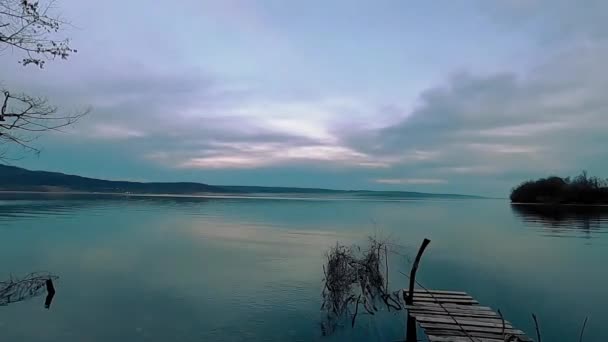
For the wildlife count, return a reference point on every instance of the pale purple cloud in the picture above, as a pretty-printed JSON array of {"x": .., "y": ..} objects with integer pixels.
[{"x": 411, "y": 181}]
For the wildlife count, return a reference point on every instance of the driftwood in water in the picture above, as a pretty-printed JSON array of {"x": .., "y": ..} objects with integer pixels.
[
  {"x": 50, "y": 289},
  {"x": 32, "y": 285}
]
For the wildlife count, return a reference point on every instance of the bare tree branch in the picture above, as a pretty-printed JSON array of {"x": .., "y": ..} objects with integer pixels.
[
  {"x": 22, "y": 115},
  {"x": 26, "y": 26}
]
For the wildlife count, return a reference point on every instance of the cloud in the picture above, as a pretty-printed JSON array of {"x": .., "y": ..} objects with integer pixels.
[
  {"x": 495, "y": 125},
  {"x": 501, "y": 126},
  {"x": 524, "y": 130},
  {"x": 261, "y": 154},
  {"x": 114, "y": 132},
  {"x": 408, "y": 181},
  {"x": 190, "y": 120},
  {"x": 230, "y": 91},
  {"x": 552, "y": 21}
]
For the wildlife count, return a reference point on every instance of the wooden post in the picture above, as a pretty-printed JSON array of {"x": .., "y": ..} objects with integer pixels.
[
  {"x": 50, "y": 289},
  {"x": 412, "y": 336},
  {"x": 409, "y": 298}
]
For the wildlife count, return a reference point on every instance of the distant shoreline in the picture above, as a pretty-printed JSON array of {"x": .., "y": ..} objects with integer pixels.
[
  {"x": 268, "y": 196},
  {"x": 19, "y": 180}
]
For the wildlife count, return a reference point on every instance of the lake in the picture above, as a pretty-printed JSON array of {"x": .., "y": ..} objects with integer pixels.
[{"x": 241, "y": 269}]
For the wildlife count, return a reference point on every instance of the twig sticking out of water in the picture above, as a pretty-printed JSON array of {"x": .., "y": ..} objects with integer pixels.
[
  {"x": 537, "y": 328},
  {"x": 583, "y": 330}
]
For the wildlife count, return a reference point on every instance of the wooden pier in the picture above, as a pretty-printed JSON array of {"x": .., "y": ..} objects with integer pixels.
[{"x": 449, "y": 316}]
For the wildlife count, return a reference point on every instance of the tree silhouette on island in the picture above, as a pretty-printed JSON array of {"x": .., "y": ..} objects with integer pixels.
[{"x": 581, "y": 189}]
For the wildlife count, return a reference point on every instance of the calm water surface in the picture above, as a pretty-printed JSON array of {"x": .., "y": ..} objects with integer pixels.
[{"x": 184, "y": 269}]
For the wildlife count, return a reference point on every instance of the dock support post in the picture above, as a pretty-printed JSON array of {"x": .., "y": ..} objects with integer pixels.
[{"x": 409, "y": 298}]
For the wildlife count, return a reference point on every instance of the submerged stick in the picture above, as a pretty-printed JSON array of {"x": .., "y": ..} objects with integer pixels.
[
  {"x": 537, "y": 328},
  {"x": 386, "y": 266},
  {"x": 583, "y": 330},
  {"x": 356, "y": 312},
  {"x": 32, "y": 285}
]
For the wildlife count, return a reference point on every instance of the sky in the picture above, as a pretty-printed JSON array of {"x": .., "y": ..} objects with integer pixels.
[{"x": 438, "y": 96}]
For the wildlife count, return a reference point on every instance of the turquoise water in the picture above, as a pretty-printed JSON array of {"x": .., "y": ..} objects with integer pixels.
[{"x": 193, "y": 269}]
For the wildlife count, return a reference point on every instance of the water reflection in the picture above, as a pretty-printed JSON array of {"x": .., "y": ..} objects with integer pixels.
[
  {"x": 571, "y": 220},
  {"x": 197, "y": 269},
  {"x": 35, "y": 205}
]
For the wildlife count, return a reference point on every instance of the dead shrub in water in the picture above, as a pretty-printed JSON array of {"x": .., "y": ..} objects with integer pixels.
[{"x": 355, "y": 278}]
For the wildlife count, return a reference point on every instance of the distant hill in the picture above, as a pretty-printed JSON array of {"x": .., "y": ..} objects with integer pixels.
[{"x": 18, "y": 179}]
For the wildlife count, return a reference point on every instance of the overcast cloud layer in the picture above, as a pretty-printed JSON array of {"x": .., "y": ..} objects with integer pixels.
[{"x": 444, "y": 97}]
